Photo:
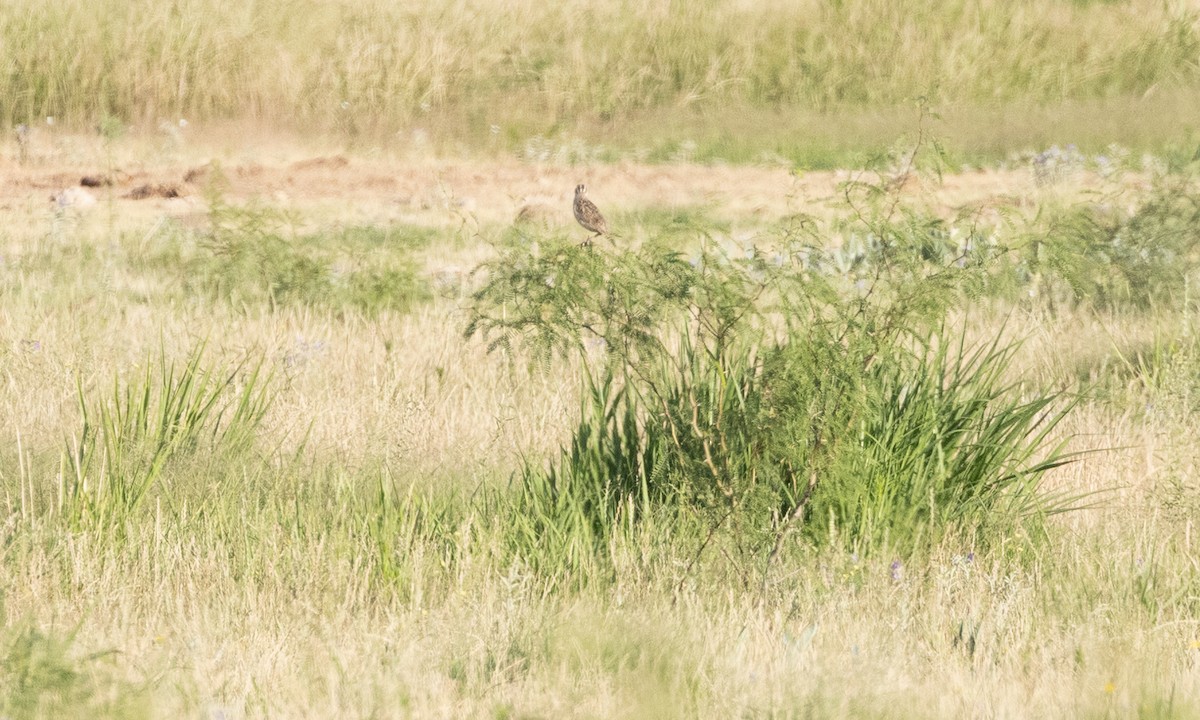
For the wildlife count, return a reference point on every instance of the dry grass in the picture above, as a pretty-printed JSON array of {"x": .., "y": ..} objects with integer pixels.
[
  {"x": 262, "y": 596},
  {"x": 498, "y": 75}
]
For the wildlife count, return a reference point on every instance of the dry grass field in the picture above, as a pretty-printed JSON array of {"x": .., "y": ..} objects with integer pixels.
[
  {"x": 313, "y": 405},
  {"x": 305, "y": 576}
]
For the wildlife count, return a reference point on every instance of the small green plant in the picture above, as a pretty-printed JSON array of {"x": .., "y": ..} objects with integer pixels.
[
  {"x": 171, "y": 413},
  {"x": 415, "y": 541},
  {"x": 250, "y": 260}
]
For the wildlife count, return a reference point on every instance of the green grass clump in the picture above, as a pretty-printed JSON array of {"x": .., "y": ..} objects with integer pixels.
[
  {"x": 944, "y": 446},
  {"x": 133, "y": 439},
  {"x": 764, "y": 393},
  {"x": 614, "y": 475}
]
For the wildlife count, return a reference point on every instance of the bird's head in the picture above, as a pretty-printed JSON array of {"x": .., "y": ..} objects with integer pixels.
[{"x": 580, "y": 190}]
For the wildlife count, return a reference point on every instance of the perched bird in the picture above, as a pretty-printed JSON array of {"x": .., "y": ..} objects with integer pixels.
[{"x": 588, "y": 214}]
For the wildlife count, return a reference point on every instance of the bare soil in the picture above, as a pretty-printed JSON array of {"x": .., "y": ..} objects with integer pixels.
[{"x": 438, "y": 191}]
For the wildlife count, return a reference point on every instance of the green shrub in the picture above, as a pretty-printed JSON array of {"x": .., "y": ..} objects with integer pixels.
[
  {"x": 1103, "y": 256},
  {"x": 762, "y": 393},
  {"x": 248, "y": 258}
]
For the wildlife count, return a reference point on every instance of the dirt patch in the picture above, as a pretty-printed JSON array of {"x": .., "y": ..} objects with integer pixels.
[{"x": 454, "y": 191}]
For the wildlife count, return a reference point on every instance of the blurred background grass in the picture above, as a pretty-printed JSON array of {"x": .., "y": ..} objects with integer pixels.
[{"x": 807, "y": 80}]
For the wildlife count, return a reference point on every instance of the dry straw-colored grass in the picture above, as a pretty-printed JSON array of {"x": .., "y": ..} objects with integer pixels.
[
  {"x": 494, "y": 74},
  {"x": 269, "y": 602}
]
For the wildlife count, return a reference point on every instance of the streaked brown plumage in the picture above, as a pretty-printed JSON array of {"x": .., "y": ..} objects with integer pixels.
[{"x": 588, "y": 214}]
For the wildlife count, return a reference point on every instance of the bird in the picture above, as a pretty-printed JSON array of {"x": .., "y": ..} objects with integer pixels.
[{"x": 588, "y": 214}]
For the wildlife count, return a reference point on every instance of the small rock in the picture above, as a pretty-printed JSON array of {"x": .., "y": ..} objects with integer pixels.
[{"x": 74, "y": 197}]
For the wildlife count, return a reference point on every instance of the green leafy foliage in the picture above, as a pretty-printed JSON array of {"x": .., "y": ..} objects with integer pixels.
[
  {"x": 553, "y": 295},
  {"x": 1104, "y": 256}
]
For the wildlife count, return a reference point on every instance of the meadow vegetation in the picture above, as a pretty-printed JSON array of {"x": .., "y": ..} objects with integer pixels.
[
  {"x": 870, "y": 455},
  {"x": 815, "y": 82},
  {"x": 851, "y": 463}
]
